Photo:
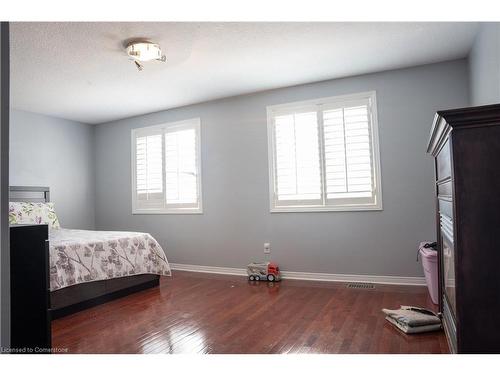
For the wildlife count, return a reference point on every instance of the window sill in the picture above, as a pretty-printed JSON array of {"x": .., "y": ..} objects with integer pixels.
[
  {"x": 168, "y": 212},
  {"x": 326, "y": 209}
]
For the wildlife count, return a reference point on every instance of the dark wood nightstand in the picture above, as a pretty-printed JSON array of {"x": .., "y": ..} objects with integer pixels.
[{"x": 30, "y": 294}]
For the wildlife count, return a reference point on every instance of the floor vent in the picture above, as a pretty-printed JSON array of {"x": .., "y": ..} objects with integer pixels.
[{"x": 361, "y": 286}]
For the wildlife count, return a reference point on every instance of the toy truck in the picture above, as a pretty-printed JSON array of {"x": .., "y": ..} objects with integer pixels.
[{"x": 263, "y": 271}]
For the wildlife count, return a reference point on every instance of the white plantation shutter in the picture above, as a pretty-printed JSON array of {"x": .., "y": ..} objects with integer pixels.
[
  {"x": 325, "y": 154},
  {"x": 149, "y": 170},
  {"x": 166, "y": 173},
  {"x": 348, "y": 164},
  {"x": 180, "y": 168},
  {"x": 298, "y": 174}
]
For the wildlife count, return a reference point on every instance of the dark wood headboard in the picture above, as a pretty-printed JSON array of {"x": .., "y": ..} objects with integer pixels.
[{"x": 29, "y": 194}]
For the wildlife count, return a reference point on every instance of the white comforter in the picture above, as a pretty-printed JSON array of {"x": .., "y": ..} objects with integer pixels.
[{"x": 78, "y": 256}]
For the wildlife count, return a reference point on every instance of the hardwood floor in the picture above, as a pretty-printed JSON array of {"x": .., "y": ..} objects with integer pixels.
[{"x": 203, "y": 313}]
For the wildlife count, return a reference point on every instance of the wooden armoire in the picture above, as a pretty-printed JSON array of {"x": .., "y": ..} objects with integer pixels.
[{"x": 465, "y": 144}]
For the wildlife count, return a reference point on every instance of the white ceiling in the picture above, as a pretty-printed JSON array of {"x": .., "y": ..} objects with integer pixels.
[{"x": 80, "y": 71}]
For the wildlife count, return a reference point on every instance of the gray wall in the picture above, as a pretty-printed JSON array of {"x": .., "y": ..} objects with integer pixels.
[
  {"x": 4, "y": 187},
  {"x": 236, "y": 219},
  {"x": 49, "y": 151},
  {"x": 484, "y": 63}
]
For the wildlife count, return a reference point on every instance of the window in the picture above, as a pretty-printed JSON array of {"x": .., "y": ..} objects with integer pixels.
[
  {"x": 323, "y": 155},
  {"x": 166, "y": 168}
]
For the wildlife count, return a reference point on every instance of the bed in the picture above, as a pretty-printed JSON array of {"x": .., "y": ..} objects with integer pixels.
[{"x": 88, "y": 268}]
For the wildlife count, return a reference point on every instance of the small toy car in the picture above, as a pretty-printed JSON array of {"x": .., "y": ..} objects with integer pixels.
[{"x": 263, "y": 271}]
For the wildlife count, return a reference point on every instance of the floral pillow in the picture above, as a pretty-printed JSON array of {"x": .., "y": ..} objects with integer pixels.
[{"x": 33, "y": 213}]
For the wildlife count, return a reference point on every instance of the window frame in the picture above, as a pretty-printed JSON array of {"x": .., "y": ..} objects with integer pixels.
[
  {"x": 326, "y": 103},
  {"x": 162, "y": 128}
]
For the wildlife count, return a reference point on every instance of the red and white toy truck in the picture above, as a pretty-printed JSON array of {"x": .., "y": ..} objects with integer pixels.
[{"x": 263, "y": 271}]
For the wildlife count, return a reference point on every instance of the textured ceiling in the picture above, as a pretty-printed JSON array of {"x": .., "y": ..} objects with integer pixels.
[{"x": 80, "y": 71}]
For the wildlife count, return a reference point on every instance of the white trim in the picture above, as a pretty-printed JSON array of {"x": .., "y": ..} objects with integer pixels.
[
  {"x": 354, "y": 204},
  {"x": 163, "y": 128},
  {"x": 169, "y": 211},
  {"x": 338, "y": 208},
  {"x": 208, "y": 269},
  {"x": 376, "y": 152},
  {"x": 344, "y": 99},
  {"x": 311, "y": 276}
]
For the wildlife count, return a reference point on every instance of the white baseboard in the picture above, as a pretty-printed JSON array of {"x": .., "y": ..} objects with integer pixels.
[
  {"x": 312, "y": 276},
  {"x": 208, "y": 269}
]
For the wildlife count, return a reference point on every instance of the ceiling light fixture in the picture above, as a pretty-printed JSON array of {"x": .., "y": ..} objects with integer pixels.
[{"x": 143, "y": 50}]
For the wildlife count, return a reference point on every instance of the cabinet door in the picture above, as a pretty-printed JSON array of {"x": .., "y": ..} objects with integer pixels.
[{"x": 448, "y": 256}]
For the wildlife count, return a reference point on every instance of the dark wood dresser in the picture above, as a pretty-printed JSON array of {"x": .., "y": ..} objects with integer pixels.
[
  {"x": 30, "y": 295},
  {"x": 466, "y": 146}
]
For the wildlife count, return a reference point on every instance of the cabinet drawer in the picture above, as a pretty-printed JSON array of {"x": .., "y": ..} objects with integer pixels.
[
  {"x": 446, "y": 208},
  {"x": 445, "y": 189},
  {"x": 443, "y": 162},
  {"x": 446, "y": 225}
]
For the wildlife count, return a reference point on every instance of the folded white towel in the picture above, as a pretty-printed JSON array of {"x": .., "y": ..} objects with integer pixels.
[
  {"x": 413, "y": 316},
  {"x": 407, "y": 329},
  {"x": 411, "y": 319}
]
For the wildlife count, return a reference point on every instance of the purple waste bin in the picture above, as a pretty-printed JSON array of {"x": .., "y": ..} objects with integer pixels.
[{"x": 430, "y": 266}]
